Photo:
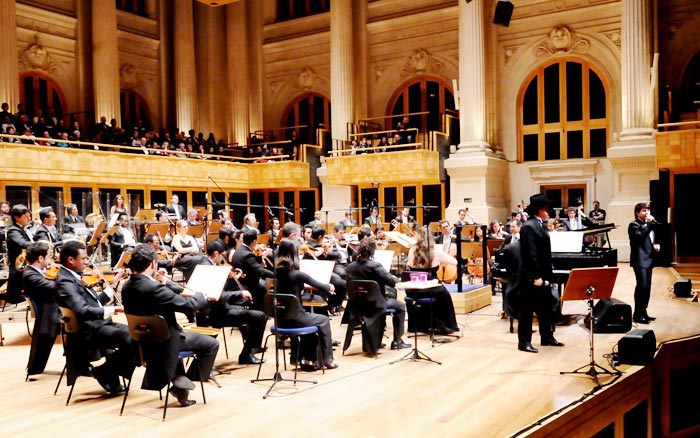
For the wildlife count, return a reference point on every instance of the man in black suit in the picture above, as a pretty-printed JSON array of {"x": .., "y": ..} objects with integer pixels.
[
  {"x": 575, "y": 220},
  {"x": 18, "y": 238},
  {"x": 175, "y": 208},
  {"x": 147, "y": 293},
  {"x": 642, "y": 238},
  {"x": 405, "y": 217},
  {"x": 42, "y": 293},
  {"x": 534, "y": 276},
  {"x": 348, "y": 222},
  {"x": 47, "y": 229},
  {"x": 244, "y": 259},
  {"x": 230, "y": 310},
  {"x": 122, "y": 239},
  {"x": 97, "y": 331},
  {"x": 73, "y": 217}
]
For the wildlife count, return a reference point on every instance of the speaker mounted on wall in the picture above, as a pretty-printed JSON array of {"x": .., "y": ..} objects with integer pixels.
[{"x": 503, "y": 13}]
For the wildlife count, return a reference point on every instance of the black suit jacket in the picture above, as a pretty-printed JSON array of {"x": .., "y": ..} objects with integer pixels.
[
  {"x": 171, "y": 209},
  {"x": 43, "y": 232},
  {"x": 370, "y": 270},
  {"x": 144, "y": 296},
  {"x": 42, "y": 292},
  {"x": 17, "y": 240},
  {"x": 244, "y": 259},
  {"x": 84, "y": 301},
  {"x": 115, "y": 246},
  {"x": 70, "y": 219},
  {"x": 535, "y": 252},
  {"x": 409, "y": 220},
  {"x": 641, "y": 246}
]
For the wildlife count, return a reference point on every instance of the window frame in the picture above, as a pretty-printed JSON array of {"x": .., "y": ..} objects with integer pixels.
[{"x": 585, "y": 125}]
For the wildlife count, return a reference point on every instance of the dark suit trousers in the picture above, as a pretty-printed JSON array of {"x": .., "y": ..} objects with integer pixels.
[
  {"x": 308, "y": 343},
  {"x": 250, "y": 322},
  {"x": 398, "y": 317},
  {"x": 46, "y": 328},
  {"x": 536, "y": 299},
  {"x": 642, "y": 291},
  {"x": 122, "y": 361},
  {"x": 206, "y": 349}
]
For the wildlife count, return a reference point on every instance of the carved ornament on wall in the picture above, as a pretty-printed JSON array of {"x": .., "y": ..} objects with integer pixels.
[
  {"x": 562, "y": 40},
  {"x": 420, "y": 62},
  {"x": 128, "y": 76},
  {"x": 615, "y": 36},
  {"x": 36, "y": 57}
]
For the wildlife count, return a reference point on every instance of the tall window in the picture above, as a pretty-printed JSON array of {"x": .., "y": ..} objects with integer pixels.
[
  {"x": 137, "y": 7},
  {"x": 562, "y": 113},
  {"x": 310, "y": 110},
  {"x": 133, "y": 109},
  {"x": 290, "y": 9},
  {"x": 426, "y": 94},
  {"x": 41, "y": 93}
]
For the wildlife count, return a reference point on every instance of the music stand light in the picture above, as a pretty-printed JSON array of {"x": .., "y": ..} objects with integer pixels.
[{"x": 590, "y": 284}]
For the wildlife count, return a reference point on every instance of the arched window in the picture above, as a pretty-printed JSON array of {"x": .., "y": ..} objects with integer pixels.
[
  {"x": 421, "y": 95},
  {"x": 689, "y": 96},
  {"x": 312, "y": 110},
  {"x": 38, "y": 92},
  {"x": 291, "y": 9},
  {"x": 133, "y": 109},
  {"x": 562, "y": 113},
  {"x": 137, "y": 7}
]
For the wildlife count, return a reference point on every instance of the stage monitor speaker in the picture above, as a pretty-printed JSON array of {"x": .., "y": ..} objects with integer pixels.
[
  {"x": 682, "y": 288},
  {"x": 503, "y": 13},
  {"x": 637, "y": 347},
  {"x": 611, "y": 316}
]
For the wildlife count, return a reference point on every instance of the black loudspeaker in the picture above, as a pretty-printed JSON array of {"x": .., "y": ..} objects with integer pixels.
[
  {"x": 503, "y": 13},
  {"x": 637, "y": 347},
  {"x": 682, "y": 288},
  {"x": 611, "y": 316}
]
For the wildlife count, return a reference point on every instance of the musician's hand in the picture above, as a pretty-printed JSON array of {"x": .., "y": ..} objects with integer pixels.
[
  {"x": 657, "y": 247},
  {"x": 247, "y": 295},
  {"x": 118, "y": 309},
  {"x": 236, "y": 273},
  {"x": 187, "y": 293},
  {"x": 332, "y": 290},
  {"x": 538, "y": 282}
]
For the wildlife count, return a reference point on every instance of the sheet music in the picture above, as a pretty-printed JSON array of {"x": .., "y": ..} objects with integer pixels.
[
  {"x": 319, "y": 270},
  {"x": 566, "y": 241},
  {"x": 209, "y": 279},
  {"x": 385, "y": 257}
]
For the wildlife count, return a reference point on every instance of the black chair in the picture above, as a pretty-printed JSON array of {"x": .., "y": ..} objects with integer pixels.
[
  {"x": 154, "y": 330},
  {"x": 288, "y": 308},
  {"x": 366, "y": 307}
]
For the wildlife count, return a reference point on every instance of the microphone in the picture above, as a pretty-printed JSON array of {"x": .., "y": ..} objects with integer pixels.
[
  {"x": 209, "y": 176},
  {"x": 301, "y": 210}
]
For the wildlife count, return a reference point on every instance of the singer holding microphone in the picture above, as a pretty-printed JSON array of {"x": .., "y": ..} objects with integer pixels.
[
  {"x": 642, "y": 246},
  {"x": 535, "y": 274}
]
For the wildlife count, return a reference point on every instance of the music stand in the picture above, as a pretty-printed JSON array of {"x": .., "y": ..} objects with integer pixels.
[
  {"x": 145, "y": 215},
  {"x": 590, "y": 284},
  {"x": 415, "y": 354},
  {"x": 196, "y": 230}
]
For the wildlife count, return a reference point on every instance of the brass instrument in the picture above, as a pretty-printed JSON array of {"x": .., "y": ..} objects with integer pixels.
[{"x": 21, "y": 261}]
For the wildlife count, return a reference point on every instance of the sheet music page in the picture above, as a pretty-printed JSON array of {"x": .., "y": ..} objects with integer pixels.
[
  {"x": 385, "y": 257},
  {"x": 566, "y": 241},
  {"x": 319, "y": 270},
  {"x": 209, "y": 279}
]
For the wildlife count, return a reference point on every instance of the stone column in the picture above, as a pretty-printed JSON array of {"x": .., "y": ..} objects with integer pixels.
[
  {"x": 472, "y": 78},
  {"x": 185, "y": 70},
  {"x": 105, "y": 60},
  {"x": 637, "y": 99},
  {"x": 341, "y": 68},
  {"x": 256, "y": 76},
  {"x": 9, "y": 73},
  {"x": 238, "y": 76}
]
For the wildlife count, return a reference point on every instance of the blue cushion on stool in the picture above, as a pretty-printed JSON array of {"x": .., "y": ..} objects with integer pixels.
[{"x": 299, "y": 331}]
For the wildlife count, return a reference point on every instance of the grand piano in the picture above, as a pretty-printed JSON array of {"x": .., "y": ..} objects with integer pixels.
[{"x": 581, "y": 251}]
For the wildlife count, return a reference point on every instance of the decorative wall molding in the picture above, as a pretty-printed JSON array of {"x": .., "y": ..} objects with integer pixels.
[
  {"x": 562, "y": 40},
  {"x": 128, "y": 76},
  {"x": 37, "y": 57},
  {"x": 509, "y": 51},
  {"x": 615, "y": 36},
  {"x": 421, "y": 62}
]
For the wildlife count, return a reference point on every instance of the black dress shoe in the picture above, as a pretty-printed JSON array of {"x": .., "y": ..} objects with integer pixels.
[
  {"x": 527, "y": 347},
  {"x": 107, "y": 382},
  {"x": 249, "y": 359},
  {"x": 552, "y": 343},
  {"x": 642, "y": 320},
  {"x": 181, "y": 395},
  {"x": 650, "y": 318},
  {"x": 331, "y": 365},
  {"x": 397, "y": 345},
  {"x": 336, "y": 343}
]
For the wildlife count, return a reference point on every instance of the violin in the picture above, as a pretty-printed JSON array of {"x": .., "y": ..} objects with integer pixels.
[
  {"x": 260, "y": 250},
  {"x": 92, "y": 277},
  {"x": 306, "y": 249},
  {"x": 52, "y": 271}
]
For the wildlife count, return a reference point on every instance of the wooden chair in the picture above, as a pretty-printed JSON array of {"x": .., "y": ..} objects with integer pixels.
[{"x": 154, "y": 330}]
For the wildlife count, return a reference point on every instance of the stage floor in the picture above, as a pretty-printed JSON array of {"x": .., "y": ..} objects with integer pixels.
[{"x": 485, "y": 387}]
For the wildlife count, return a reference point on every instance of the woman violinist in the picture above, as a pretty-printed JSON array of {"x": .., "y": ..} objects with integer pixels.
[{"x": 426, "y": 256}]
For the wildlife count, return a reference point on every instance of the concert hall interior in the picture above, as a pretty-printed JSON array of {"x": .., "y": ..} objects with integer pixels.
[{"x": 438, "y": 118}]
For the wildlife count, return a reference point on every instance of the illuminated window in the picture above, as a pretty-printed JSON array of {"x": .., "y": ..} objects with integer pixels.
[{"x": 562, "y": 113}]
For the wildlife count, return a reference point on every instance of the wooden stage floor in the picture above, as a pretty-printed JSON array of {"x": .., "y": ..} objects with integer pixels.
[{"x": 484, "y": 387}]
